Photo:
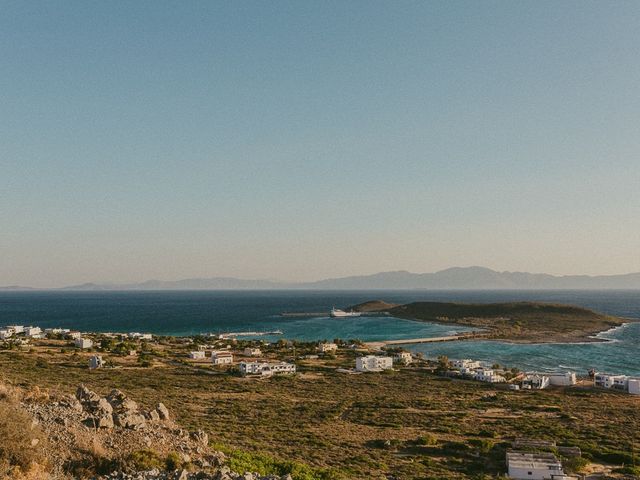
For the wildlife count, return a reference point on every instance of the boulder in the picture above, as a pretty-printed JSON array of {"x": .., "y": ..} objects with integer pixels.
[
  {"x": 201, "y": 437},
  {"x": 162, "y": 411},
  {"x": 154, "y": 416},
  {"x": 130, "y": 420},
  {"x": 120, "y": 402},
  {"x": 85, "y": 396},
  {"x": 101, "y": 407},
  {"x": 104, "y": 421}
]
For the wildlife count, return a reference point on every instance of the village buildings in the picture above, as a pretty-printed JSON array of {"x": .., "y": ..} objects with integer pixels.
[
  {"x": 373, "y": 363},
  {"x": 252, "y": 352},
  {"x": 222, "y": 358},
  {"x": 265, "y": 369},
  {"x": 404, "y": 358},
  {"x": 327, "y": 348},
  {"x": 83, "y": 343},
  {"x": 534, "y": 466}
]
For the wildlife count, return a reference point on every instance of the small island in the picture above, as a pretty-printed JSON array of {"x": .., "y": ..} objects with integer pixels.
[{"x": 519, "y": 322}]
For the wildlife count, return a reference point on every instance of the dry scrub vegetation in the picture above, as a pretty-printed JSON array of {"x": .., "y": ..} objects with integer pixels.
[
  {"x": 410, "y": 424},
  {"x": 22, "y": 442}
]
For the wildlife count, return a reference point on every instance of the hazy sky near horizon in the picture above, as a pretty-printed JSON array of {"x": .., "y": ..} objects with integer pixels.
[{"x": 302, "y": 140}]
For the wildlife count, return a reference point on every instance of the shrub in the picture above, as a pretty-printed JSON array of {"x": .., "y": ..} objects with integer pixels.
[
  {"x": 22, "y": 443},
  {"x": 144, "y": 460},
  {"x": 483, "y": 445},
  {"x": 173, "y": 461},
  {"x": 427, "y": 439},
  {"x": 575, "y": 464}
]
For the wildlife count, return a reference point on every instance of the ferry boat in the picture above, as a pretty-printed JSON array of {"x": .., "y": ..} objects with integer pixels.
[{"x": 337, "y": 313}]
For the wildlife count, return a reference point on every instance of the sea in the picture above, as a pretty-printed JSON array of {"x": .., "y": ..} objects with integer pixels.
[{"x": 184, "y": 313}]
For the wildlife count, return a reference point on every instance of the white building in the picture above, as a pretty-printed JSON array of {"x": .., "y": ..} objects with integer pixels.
[
  {"x": 562, "y": 379},
  {"x": 403, "y": 357},
  {"x": 73, "y": 335},
  {"x": 373, "y": 363},
  {"x": 83, "y": 343},
  {"x": 95, "y": 362},
  {"x": 265, "y": 369},
  {"x": 252, "y": 352},
  {"x": 56, "y": 331},
  {"x": 15, "y": 328},
  {"x": 535, "y": 466},
  {"x": 488, "y": 375},
  {"x": 222, "y": 358},
  {"x": 328, "y": 348},
  {"x": 141, "y": 336},
  {"x": 634, "y": 386},
  {"x": 465, "y": 363},
  {"x": 5, "y": 333},
  {"x": 32, "y": 331},
  {"x": 605, "y": 380},
  {"x": 198, "y": 355},
  {"x": 535, "y": 381}
]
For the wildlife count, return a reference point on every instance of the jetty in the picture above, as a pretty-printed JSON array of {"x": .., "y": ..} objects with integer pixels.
[
  {"x": 228, "y": 335},
  {"x": 406, "y": 341},
  {"x": 326, "y": 314}
]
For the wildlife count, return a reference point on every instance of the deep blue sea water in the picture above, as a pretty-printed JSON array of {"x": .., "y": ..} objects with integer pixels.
[{"x": 188, "y": 313}]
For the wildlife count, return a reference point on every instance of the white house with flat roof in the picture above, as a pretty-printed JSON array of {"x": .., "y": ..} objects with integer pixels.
[
  {"x": 141, "y": 336},
  {"x": 373, "y": 363},
  {"x": 488, "y": 375},
  {"x": 252, "y": 352},
  {"x": 32, "y": 331},
  {"x": 73, "y": 335},
  {"x": 5, "y": 334},
  {"x": 56, "y": 331},
  {"x": 222, "y": 358},
  {"x": 197, "y": 355},
  {"x": 634, "y": 386},
  {"x": 606, "y": 380},
  {"x": 562, "y": 379},
  {"x": 534, "y": 466},
  {"x": 265, "y": 369},
  {"x": 465, "y": 363},
  {"x": 328, "y": 348},
  {"x": 15, "y": 328},
  {"x": 403, "y": 357},
  {"x": 83, "y": 343}
]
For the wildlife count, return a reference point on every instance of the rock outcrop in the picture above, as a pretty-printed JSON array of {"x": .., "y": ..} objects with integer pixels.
[{"x": 116, "y": 409}]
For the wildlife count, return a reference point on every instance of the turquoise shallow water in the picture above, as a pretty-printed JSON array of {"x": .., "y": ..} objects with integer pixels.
[{"x": 188, "y": 313}]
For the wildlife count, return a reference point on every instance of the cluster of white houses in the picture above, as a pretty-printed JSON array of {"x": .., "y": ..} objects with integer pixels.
[
  {"x": 474, "y": 369},
  {"x": 221, "y": 357},
  {"x": 266, "y": 369},
  {"x": 378, "y": 363},
  {"x": 617, "y": 382}
]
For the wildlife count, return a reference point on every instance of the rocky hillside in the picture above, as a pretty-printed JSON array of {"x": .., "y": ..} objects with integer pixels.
[{"x": 51, "y": 436}]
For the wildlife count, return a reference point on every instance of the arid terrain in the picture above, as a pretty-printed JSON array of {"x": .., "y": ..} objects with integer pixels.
[{"x": 409, "y": 423}]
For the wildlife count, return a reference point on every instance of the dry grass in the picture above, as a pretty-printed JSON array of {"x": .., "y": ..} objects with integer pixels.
[
  {"x": 365, "y": 426},
  {"x": 22, "y": 442}
]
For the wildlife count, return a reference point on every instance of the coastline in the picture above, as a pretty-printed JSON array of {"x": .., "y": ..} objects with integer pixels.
[{"x": 532, "y": 339}]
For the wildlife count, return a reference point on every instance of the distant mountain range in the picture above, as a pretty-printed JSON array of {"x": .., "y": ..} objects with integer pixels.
[{"x": 450, "y": 279}]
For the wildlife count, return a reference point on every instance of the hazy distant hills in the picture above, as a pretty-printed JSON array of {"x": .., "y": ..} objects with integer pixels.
[
  {"x": 449, "y": 279},
  {"x": 478, "y": 278}
]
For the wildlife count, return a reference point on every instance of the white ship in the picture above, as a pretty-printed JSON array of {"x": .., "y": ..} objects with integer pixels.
[{"x": 336, "y": 312}]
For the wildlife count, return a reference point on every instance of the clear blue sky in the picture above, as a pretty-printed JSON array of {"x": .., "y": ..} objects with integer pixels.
[{"x": 300, "y": 140}]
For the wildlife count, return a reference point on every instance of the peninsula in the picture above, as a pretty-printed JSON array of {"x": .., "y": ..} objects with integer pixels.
[{"x": 519, "y": 322}]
